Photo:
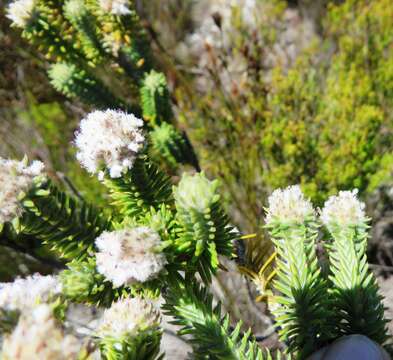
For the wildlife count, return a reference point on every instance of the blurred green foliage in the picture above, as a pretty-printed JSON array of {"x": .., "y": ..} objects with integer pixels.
[{"x": 323, "y": 120}]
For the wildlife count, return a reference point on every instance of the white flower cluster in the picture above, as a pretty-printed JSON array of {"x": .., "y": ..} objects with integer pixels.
[
  {"x": 196, "y": 192},
  {"x": 129, "y": 316},
  {"x": 288, "y": 205},
  {"x": 111, "y": 139},
  {"x": 344, "y": 209},
  {"x": 74, "y": 9},
  {"x": 24, "y": 294},
  {"x": 16, "y": 178},
  {"x": 131, "y": 255},
  {"x": 116, "y": 7},
  {"x": 20, "y": 12},
  {"x": 39, "y": 337}
]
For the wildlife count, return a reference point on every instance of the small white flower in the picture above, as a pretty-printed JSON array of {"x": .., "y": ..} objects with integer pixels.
[
  {"x": 38, "y": 336},
  {"x": 288, "y": 205},
  {"x": 128, "y": 317},
  {"x": 344, "y": 209},
  {"x": 130, "y": 255},
  {"x": 111, "y": 139},
  {"x": 20, "y": 12},
  {"x": 16, "y": 178},
  {"x": 35, "y": 169},
  {"x": 24, "y": 294},
  {"x": 196, "y": 192},
  {"x": 116, "y": 7}
]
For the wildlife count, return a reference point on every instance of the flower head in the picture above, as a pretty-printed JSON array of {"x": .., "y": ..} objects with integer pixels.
[
  {"x": 20, "y": 12},
  {"x": 75, "y": 9},
  {"x": 128, "y": 317},
  {"x": 344, "y": 209},
  {"x": 196, "y": 192},
  {"x": 116, "y": 7},
  {"x": 24, "y": 294},
  {"x": 38, "y": 336},
  {"x": 16, "y": 178},
  {"x": 111, "y": 139},
  {"x": 288, "y": 205},
  {"x": 130, "y": 255}
]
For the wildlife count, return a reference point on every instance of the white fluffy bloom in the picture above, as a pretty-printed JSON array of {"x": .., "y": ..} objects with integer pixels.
[
  {"x": 16, "y": 178},
  {"x": 20, "y": 12},
  {"x": 38, "y": 336},
  {"x": 130, "y": 255},
  {"x": 24, "y": 294},
  {"x": 288, "y": 205},
  {"x": 116, "y": 7},
  {"x": 109, "y": 138},
  {"x": 129, "y": 316},
  {"x": 344, "y": 209}
]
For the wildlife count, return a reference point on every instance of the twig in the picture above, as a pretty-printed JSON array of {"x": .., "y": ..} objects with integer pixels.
[
  {"x": 70, "y": 185},
  {"x": 49, "y": 262},
  {"x": 381, "y": 267}
]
